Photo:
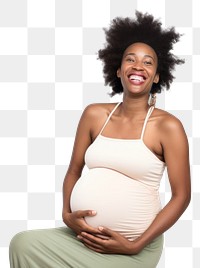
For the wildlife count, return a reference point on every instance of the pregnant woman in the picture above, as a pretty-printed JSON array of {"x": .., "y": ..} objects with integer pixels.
[{"x": 112, "y": 211}]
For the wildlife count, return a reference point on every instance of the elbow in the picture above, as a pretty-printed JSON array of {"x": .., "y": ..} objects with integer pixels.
[
  {"x": 185, "y": 202},
  {"x": 187, "y": 199},
  {"x": 187, "y": 196},
  {"x": 183, "y": 199}
]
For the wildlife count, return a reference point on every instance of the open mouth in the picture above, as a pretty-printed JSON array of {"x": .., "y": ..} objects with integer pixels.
[{"x": 137, "y": 78}]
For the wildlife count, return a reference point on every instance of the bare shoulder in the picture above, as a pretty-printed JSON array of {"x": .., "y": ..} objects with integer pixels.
[
  {"x": 96, "y": 115},
  {"x": 168, "y": 122},
  {"x": 170, "y": 127},
  {"x": 98, "y": 110}
]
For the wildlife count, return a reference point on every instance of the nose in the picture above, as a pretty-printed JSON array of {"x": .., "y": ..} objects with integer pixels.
[{"x": 137, "y": 66}]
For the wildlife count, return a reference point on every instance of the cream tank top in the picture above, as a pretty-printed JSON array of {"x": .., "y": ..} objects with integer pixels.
[{"x": 121, "y": 185}]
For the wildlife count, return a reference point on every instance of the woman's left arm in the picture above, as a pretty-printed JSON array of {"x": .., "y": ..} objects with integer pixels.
[{"x": 176, "y": 154}]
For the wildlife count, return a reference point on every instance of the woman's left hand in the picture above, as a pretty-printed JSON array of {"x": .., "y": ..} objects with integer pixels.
[{"x": 113, "y": 243}]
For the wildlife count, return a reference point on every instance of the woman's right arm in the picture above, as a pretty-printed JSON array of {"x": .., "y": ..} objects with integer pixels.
[{"x": 75, "y": 220}]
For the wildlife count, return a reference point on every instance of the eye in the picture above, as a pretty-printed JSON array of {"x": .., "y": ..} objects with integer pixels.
[
  {"x": 148, "y": 63},
  {"x": 129, "y": 59}
]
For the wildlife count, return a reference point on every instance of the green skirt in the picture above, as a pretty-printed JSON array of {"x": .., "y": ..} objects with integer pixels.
[{"x": 59, "y": 248}]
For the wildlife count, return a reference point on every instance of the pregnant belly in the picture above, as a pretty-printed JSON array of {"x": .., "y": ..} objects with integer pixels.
[{"x": 122, "y": 204}]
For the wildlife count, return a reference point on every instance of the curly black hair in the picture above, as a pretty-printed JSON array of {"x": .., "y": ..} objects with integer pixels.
[{"x": 123, "y": 32}]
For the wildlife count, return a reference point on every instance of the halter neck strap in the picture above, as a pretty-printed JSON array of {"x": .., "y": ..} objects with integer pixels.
[
  {"x": 109, "y": 117},
  {"x": 151, "y": 108}
]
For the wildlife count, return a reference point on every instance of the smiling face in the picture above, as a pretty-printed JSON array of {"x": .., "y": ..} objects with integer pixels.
[{"x": 138, "y": 68}]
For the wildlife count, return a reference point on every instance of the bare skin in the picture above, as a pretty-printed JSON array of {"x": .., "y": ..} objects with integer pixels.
[{"x": 164, "y": 136}]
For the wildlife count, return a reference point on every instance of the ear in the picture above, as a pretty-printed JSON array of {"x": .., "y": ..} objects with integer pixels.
[
  {"x": 118, "y": 73},
  {"x": 156, "y": 78}
]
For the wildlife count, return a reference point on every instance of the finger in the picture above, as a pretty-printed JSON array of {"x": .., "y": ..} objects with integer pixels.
[
  {"x": 86, "y": 213},
  {"x": 99, "y": 250},
  {"x": 89, "y": 242},
  {"x": 95, "y": 249},
  {"x": 106, "y": 231},
  {"x": 89, "y": 229},
  {"x": 94, "y": 238}
]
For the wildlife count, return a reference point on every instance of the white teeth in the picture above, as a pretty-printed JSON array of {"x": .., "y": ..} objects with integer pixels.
[{"x": 136, "y": 77}]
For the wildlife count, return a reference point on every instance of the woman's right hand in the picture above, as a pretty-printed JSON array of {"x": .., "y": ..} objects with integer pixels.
[{"x": 76, "y": 221}]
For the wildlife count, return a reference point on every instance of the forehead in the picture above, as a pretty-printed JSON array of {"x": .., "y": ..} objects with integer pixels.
[{"x": 141, "y": 48}]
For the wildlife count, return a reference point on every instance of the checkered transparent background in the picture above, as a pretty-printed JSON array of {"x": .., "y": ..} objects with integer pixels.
[{"x": 48, "y": 73}]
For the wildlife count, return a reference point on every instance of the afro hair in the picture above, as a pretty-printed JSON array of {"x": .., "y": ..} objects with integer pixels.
[{"x": 123, "y": 32}]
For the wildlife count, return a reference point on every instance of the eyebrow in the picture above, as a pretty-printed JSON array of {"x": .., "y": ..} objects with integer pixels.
[{"x": 133, "y": 54}]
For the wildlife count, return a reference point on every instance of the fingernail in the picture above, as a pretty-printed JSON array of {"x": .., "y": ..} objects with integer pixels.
[
  {"x": 94, "y": 212},
  {"x": 100, "y": 228}
]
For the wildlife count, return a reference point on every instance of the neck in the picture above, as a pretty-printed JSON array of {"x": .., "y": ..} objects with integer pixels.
[{"x": 134, "y": 106}]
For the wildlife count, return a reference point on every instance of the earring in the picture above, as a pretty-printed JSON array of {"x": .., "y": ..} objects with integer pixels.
[{"x": 152, "y": 99}]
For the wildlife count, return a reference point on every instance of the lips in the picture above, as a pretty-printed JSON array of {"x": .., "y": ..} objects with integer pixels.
[{"x": 136, "y": 79}]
